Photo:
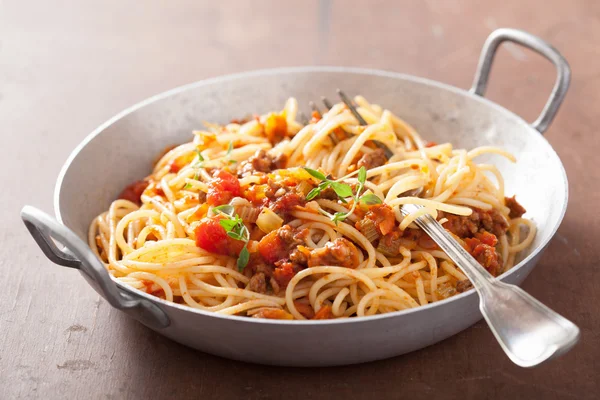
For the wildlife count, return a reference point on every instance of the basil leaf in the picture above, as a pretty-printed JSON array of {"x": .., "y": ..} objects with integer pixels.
[
  {"x": 315, "y": 173},
  {"x": 243, "y": 259},
  {"x": 188, "y": 186},
  {"x": 229, "y": 148},
  {"x": 313, "y": 193},
  {"x": 362, "y": 175},
  {"x": 225, "y": 209},
  {"x": 235, "y": 235},
  {"x": 200, "y": 158},
  {"x": 341, "y": 189},
  {"x": 339, "y": 216},
  {"x": 227, "y": 224},
  {"x": 370, "y": 199}
]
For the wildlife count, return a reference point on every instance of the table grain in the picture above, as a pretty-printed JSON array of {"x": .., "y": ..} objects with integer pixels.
[{"x": 67, "y": 66}]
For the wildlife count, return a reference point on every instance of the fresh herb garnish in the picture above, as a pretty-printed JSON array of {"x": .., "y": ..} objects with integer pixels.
[
  {"x": 370, "y": 199},
  {"x": 236, "y": 229},
  {"x": 188, "y": 186},
  {"x": 198, "y": 164},
  {"x": 229, "y": 150},
  {"x": 343, "y": 191}
]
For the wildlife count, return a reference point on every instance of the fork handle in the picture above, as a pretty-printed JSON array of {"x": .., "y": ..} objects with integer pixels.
[
  {"x": 479, "y": 277},
  {"x": 528, "y": 331}
]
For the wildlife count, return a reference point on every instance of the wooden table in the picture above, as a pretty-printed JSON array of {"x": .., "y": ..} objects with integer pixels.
[{"x": 66, "y": 66}]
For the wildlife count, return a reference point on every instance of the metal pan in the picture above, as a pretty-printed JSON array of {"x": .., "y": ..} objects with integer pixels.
[{"x": 122, "y": 150}]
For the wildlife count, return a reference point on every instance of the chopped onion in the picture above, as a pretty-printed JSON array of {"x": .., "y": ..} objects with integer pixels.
[
  {"x": 244, "y": 209},
  {"x": 268, "y": 221},
  {"x": 304, "y": 187},
  {"x": 368, "y": 228},
  {"x": 389, "y": 247}
]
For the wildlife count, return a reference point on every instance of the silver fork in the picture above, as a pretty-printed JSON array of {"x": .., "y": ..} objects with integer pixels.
[
  {"x": 528, "y": 331},
  {"x": 346, "y": 100}
]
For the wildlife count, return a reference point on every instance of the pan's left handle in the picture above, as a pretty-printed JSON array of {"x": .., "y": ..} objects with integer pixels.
[{"x": 45, "y": 230}]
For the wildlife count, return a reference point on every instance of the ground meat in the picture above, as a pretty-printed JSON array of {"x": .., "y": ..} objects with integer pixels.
[
  {"x": 285, "y": 204},
  {"x": 261, "y": 161},
  {"x": 467, "y": 226},
  {"x": 279, "y": 244},
  {"x": 285, "y": 271},
  {"x": 258, "y": 283},
  {"x": 202, "y": 197},
  {"x": 373, "y": 159},
  {"x": 299, "y": 257},
  {"x": 463, "y": 286},
  {"x": 341, "y": 252},
  {"x": 482, "y": 248},
  {"x": 516, "y": 210},
  {"x": 133, "y": 192}
]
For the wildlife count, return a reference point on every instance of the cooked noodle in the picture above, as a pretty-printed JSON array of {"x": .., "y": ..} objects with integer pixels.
[{"x": 155, "y": 247}]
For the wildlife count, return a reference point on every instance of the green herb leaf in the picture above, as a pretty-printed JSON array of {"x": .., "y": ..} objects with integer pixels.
[
  {"x": 200, "y": 158},
  {"x": 229, "y": 148},
  {"x": 227, "y": 224},
  {"x": 235, "y": 235},
  {"x": 243, "y": 259},
  {"x": 225, "y": 209},
  {"x": 339, "y": 216},
  {"x": 315, "y": 173},
  {"x": 341, "y": 189},
  {"x": 362, "y": 175},
  {"x": 313, "y": 193},
  {"x": 188, "y": 186},
  {"x": 232, "y": 161},
  {"x": 370, "y": 199}
]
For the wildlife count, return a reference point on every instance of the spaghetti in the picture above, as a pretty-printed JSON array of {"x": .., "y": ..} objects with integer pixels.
[{"x": 273, "y": 218}]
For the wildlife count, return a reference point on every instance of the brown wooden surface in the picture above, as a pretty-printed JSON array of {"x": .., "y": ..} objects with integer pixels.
[{"x": 66, "y": 66}]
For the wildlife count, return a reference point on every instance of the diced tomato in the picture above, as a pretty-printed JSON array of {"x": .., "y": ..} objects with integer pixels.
[
  {"x": 133, "y": 192},
  {"x": 273, "y": 313},
  {"x": 305, "y": 309},
  {"x": 430, "y": 144},
  {"x": 276, "y": 128},
  {"x": 484, "y": 253},
  {"x": 284, "y": 273},
  {"x": 324, "y": 313},
  {"x": 272, "y": 248},
  {"x": 487, "y": 238},
  {"x": 177, "y": 164},
  {"x": 211, "y": 236},
  {"x": 222, "y": 188},
  {"x": 383, "y": 217}
]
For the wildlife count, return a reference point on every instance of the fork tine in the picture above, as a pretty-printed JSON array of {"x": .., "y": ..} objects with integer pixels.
[
  {"x": 314, "y": 107},
  {"x": 353, "y": 109},
  {"x": 327, "y": 103},
  {"x": 303, "y": 118},
  {"x": 361, "y": 120}
]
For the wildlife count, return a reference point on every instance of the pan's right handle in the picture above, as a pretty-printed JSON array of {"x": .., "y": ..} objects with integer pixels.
[
  {"x": 538, "y": 45},
  {"x": 45, "y": 230}
]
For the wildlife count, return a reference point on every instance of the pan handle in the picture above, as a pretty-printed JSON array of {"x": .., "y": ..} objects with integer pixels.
[
  {"x": 45, "y": 230},
  {"x": 539, "y": 46}
]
